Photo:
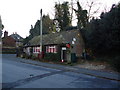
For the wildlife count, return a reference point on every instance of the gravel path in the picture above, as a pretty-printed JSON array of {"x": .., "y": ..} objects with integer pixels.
[{"x": 101, "y": 66}]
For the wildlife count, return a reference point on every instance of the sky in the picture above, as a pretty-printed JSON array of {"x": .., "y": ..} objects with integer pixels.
[{"x": 19, "y": 15}]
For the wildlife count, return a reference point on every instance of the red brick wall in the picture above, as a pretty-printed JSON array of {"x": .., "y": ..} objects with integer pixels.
[
  {"x": 8, "y": 41},
  {"x": 80, "y": 45}
]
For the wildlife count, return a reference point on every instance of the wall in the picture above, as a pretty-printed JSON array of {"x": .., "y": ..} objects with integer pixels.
[
  {"x": 8, "y": 42},
  {"x": 79, "y": 46}
]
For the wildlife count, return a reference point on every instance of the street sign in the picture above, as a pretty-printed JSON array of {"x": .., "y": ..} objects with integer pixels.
[{"x": 63, "y": 48}]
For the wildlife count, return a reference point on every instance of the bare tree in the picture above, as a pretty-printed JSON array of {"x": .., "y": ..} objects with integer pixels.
[{"x": 93, "y": 8}]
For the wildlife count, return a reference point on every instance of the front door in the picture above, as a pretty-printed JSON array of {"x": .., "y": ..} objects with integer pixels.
[{"x": 63, "y": 54}]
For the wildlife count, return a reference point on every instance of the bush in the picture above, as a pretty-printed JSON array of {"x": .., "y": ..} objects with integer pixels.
[
  {"x": 52, "y": 57},
  {"x": 34, "y": 57},
  {"x": 116, "y": 63},
  {"x": 9, "y": 50}
]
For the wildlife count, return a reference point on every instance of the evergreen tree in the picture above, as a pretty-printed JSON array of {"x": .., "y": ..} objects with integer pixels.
[
  {"x": 62, "y": 14},
  {"x": 103, "y": 34},
  {"x": 47, "y": 24},
  {"x": 58, "y": 15},
  {"x": 81, "y": 16},
  {"x": 66, "y": 16}
]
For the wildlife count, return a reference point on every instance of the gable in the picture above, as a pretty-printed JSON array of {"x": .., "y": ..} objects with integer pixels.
[{"x": 16, "y": 37}]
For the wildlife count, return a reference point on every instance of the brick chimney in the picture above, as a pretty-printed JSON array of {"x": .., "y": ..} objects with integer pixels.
[{"x": 5, "y": 34}]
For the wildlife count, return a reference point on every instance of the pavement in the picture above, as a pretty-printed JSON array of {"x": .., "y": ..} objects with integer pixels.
[{"x": 96, "y": 73}]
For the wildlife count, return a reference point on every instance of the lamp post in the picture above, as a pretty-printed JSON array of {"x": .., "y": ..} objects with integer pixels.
[{"x": 41, "y": 33}]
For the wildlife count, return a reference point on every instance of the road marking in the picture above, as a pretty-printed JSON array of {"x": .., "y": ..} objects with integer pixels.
[
  {"x": 30, "y": 79},
  {"x": 75, "y": 70},
  {"x": 70, "y": 68}
]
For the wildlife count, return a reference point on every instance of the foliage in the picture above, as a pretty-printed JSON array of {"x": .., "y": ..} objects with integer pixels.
[
  {"x": 1, "y": 30},
  {"x": 8, "y": 50},
  {"x": 26, "y": 40},
  {"x": 81, "y": 16},
  {"x": 1, "y": 33},
  {"x": 115, "y": 62},
  {"x": 52, "y": 56},
  {"x": 47, "y": 25},
  {"x": 19, "y": 51},
  {"x": 62, "y": 14},
  {"x": 46, "y": 28},
  {"x": 102, "y": 35}
]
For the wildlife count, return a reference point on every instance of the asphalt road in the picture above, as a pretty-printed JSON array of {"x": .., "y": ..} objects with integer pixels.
[{"x": 16, "y": 74}]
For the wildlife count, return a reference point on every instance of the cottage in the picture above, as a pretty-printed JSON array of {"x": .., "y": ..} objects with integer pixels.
[
  {"x": 11, "y": 42},
  {"x": 14, "y": 40},
  {"x": 62, "y": 43}
]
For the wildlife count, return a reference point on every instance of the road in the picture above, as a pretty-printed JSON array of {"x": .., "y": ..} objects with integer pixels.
[{"x": 16, "y": 74}]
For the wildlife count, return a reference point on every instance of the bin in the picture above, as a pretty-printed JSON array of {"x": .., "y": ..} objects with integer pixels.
[{"x": 73, "y": 57}]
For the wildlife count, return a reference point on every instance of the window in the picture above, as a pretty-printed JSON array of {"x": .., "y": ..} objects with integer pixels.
[
  {"x": 36, "y": 49},
  {"x": 51, "y": 49}
]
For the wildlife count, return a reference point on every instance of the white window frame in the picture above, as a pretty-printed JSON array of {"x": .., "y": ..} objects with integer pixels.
[{"x": 51, "y": 49}]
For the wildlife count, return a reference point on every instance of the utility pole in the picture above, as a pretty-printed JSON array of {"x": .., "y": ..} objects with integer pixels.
[
  {"x": 41, "y": 33},
  {"x": 71, "y": 10}
]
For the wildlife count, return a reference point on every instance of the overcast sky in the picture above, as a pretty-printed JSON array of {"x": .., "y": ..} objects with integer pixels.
[{"x": 19, "y": 15}]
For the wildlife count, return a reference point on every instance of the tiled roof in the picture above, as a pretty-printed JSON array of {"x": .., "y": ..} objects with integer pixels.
[
  {"x": 16, "y": 37},
  {"x": 55, "y": 38}
]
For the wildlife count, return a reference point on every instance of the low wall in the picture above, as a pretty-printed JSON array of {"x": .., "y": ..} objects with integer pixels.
[{"x": 6, "y": 50}]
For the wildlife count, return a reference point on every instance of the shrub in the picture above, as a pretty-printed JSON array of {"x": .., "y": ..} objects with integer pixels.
[
  {"x": 9, "y": 50},
  {"x": 52, "y": 57},
  {"x": 34, "y": 57},
  {"x": 116, "y": 63}
]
